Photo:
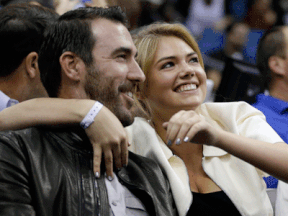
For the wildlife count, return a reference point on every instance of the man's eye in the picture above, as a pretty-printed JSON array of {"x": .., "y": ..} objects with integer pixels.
[
  {"x": 167, "y": 65},
  {"x": 123, "y": 56}
]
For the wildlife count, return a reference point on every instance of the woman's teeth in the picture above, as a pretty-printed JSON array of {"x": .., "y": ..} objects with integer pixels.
[{"x": 186, "y": 87}]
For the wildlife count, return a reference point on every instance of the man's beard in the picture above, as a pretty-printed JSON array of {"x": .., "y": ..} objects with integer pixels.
[{"x": 103, "y": 90}]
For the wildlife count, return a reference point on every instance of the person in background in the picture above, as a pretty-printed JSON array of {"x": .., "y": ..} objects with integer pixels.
[
  {"x": 272, "y": 62},
  {"x": 261, "y": 14},
  {"x": 204, "y": 14},
  {"x": 21, "y": 34},
  {"x": 132, "y": 8},
  {"x": 235, "y": 40}
]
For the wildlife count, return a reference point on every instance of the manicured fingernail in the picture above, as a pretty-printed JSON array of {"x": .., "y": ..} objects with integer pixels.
[
  {"x": 169, "y": 143},
  {"x": 110, "y": 178},
  {"x": 178, "y": 141},
  {"x": 97, "y": 175},
  {"x": 186, "y": 139}
]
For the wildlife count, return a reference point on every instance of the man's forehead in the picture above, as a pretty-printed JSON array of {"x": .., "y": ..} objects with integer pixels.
[{"x": 111, "y": 35}]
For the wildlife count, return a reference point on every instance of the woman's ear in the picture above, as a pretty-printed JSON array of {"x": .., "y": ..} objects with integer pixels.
[
  {"x": 72, "y": 65},
  {"x": 277, "y": 65},
  {"x": 31, "y": 64}
]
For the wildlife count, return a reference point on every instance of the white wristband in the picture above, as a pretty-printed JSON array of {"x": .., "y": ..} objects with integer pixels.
[{"x": 89, "y": 118}]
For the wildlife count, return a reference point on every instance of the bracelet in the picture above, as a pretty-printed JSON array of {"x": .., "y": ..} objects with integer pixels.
[{"x": 89, "y": 118}]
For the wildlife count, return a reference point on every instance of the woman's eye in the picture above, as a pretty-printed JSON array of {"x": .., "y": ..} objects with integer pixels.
[
  {"x": 194, "y": 59},
  {"x": 167, "y": 65}
]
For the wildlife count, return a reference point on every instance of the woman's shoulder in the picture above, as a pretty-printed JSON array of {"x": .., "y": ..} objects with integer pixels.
[
  {"x": 240, "y": 118},
  {"x": 230, "y": 115},
  {"x": 227, "y": 105},
  {"x": 229, "y": 110}
]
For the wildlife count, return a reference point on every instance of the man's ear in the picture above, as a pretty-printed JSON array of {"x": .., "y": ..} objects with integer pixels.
[
  {"x": 72, "y": 66},
  {"x": 31, "y": 64},
  {"x": 277, "y": 65}
]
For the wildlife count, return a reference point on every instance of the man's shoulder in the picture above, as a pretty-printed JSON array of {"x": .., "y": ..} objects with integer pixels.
[
  {"x": 260, "y": 100},
  {"x": 17, "y": 134},
  {"x": 263, "y": 108},
  {"x": 27, "y": 136},
  {"x": 140, "y": 159},
  {"x": 18, "y": 140},
  {"x": 144, "y": 163},
  {"x": 144, "y": 168},
  {"x": 270, "y": 105}
]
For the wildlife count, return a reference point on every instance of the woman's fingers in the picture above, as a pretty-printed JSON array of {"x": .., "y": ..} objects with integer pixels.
[
  {"x": 189, "y": 125},
  {"x": 184, "y": 126},
  {"x": 173, "y": 127},
  {"x": 197, "y": 133},
  {"x": 108, "y": 158},
  {"x": 97, "y": 157},
  {"x": 124, "y": 152},
  {"x": 113, "y": 152}
]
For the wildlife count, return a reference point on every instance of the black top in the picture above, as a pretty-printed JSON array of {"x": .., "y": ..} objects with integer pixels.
[{"x": 212, "y": 204}]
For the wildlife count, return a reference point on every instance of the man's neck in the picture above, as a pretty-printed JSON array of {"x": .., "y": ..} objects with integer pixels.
[
  {"x": 71, "y": 92},
  {"x": 12, "y": 88},
  {"x": 15, "y": 84},
  {"x": 279, "y": 90}
]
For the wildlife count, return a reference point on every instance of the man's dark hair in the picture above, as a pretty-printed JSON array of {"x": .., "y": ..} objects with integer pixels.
[
  {"x": 271, "y": 43},
  {"x": 72, "y": 33},
  {"x": 21, "y": 32}
]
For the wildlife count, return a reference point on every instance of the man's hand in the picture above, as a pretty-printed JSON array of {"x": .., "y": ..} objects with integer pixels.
[{"x": 108, "y": 137}]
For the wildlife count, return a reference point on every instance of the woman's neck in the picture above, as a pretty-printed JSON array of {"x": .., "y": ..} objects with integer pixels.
[{"x": 184, "y": 150}]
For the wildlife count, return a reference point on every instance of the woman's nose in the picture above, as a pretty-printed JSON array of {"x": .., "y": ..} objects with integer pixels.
[{"x": 187, "y": 71}]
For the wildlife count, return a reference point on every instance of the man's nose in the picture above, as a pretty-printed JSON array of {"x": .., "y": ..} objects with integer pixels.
[{"x": 136, "y": 73}]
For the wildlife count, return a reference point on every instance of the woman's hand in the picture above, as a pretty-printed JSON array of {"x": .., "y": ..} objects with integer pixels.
[
  {"x": 188, "y": 126},
  {"x": 108, "y": 137}
]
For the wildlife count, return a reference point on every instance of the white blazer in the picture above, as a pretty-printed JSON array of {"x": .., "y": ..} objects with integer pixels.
[{"x": 242, "y": 182}]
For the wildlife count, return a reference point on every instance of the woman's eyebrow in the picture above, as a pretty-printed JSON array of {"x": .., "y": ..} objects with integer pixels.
[
  {"x": 192, "y": 53},
  {"x": 173, "y": 57},
  {"x": 165, "y": 58}
]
